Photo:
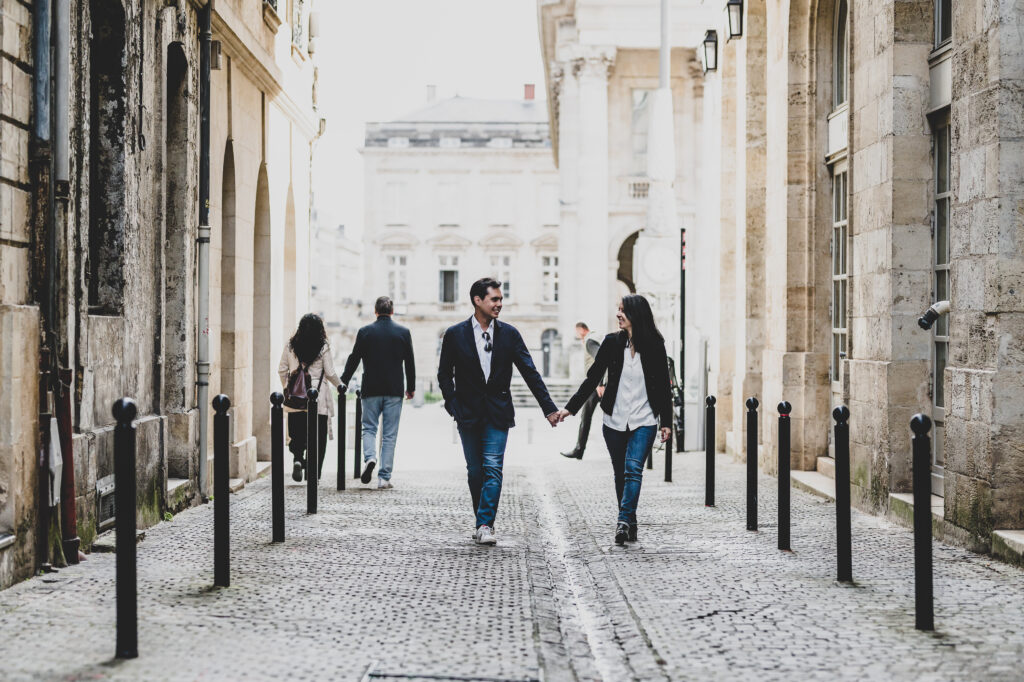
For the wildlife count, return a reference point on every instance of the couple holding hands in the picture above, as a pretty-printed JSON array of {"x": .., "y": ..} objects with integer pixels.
[{"x": 475, "y": 372}]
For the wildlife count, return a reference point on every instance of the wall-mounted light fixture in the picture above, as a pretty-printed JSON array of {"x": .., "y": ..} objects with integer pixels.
[
  {"x": 710, "y": 51},
  {"x": 734, "y": 9}
]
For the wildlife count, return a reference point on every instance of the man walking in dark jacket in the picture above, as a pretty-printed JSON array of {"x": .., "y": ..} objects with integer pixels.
[
  {"x": 474, "y": 374},
  {"x": 383, "y": 347}
]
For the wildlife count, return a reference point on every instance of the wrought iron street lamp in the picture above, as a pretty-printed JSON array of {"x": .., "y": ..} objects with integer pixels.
[
  {"x": 734, "y": 8},
  {"x": 710, "y": 51}
]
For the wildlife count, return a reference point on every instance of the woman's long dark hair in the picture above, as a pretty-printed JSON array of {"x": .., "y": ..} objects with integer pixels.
[
  {"x": 638, "y": 311},
  {"x": 309, "y": 338}
]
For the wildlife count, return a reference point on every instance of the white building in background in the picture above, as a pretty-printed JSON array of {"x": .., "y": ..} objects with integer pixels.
[
  {"x": 602, "y": 65},
  {"x": 336, "y": 282},
  {"x": 463, "y": 189}
]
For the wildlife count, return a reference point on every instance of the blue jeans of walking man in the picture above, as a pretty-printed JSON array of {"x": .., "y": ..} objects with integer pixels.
[
  {"x": 484, "y": 448},
  {"x": 376, "y": 408}
]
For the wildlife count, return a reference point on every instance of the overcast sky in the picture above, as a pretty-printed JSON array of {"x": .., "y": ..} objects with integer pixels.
[{"x": 377, "y": 57}]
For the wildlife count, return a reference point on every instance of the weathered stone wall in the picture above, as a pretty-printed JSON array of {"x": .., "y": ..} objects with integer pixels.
[
  {"x": 19, "y": 316},
  {"x": 985, "y": 377},
  {"x": 885, "y": 376}
]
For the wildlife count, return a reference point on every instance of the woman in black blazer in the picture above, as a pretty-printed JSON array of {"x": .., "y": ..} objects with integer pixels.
[{"x": 636, "y": 402}]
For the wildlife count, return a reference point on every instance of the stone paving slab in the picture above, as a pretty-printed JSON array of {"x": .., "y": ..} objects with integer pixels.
[{"x": 387, "y": 585}]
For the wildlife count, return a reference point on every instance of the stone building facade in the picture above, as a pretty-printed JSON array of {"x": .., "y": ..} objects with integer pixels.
[
  {"x": 100, "y": 258},
  {"x": 872, "y": 165},
  {"x": 602, "y": 62},
  {"x": 460, "y": 190}
]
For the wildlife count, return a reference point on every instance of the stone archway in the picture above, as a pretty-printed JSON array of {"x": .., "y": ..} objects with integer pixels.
[
  {"x": 262, "y": 360},
  {"x": 290, "y": 313},
  {"x": 625, "y": 272},
  {"x": 229, "y": 289}
]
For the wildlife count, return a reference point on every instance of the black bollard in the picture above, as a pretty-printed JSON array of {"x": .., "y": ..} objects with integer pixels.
[
  {"x": 357, "y": 461},
  {"x": 924, "y": 608},
  {"x": 668, "y": 455},
  {"x": 312, "y": 449},
  {"x": 784, "y": 411},
  {"x": 752, "y": 463},
  {"x": 277, "y": 465},
  {"x": 124, "y": 506},
  {"x": 222, "y": 494},
  {"x": 709, "y": 451},
  {"x": 844, "y": 534},
  {"x": 341, "y": 437}
]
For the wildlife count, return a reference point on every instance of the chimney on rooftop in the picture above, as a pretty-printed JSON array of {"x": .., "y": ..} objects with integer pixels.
[
  {"x": 528, "y": 91},
  {"x": 431, "y": 93}
]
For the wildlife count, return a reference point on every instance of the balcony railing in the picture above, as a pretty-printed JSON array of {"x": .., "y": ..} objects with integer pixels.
[{"x": 637, "y": 188}]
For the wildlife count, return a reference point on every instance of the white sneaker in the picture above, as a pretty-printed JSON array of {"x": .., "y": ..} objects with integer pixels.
[
  {"x": 383, "y": 484},
  {"x": 485, "y": 536}
]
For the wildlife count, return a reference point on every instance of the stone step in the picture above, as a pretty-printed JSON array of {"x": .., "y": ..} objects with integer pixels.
[
  {"x": 814, "y": 483},
  {"x": 827, "y": 467},
  {"x": 1008, "y": 545}
]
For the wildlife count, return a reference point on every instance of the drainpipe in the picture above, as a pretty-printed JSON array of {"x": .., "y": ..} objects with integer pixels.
[
  {"x": 42, "y": 171},
  {"x": 61, "y": 144},
  {"x": 203, "y": 240}
]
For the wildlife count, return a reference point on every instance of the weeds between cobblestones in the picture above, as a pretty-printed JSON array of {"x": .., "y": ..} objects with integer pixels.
[{"x": 392, "y": 578}]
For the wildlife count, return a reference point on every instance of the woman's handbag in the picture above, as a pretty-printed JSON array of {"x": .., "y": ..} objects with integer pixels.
[{"x": 297, "y": 388}]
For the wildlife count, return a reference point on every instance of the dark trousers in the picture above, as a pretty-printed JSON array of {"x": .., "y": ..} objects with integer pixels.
[
  {"x": 297, "y": 437},
  {"x": 586, "y": 417}
]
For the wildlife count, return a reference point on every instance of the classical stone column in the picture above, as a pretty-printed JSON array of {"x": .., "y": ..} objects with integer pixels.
[
  {"x": 727, "y": 253},
  {"x": 656, "y": 255},
  {"x": 566, "y": 105},
  {"x": 749, "y": 226},
  {"x": 590, "y": 272}
]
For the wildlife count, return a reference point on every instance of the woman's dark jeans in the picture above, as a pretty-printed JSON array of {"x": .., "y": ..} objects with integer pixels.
[
  {"x": 629, "y": 450},
  {"x": 297, "y": 437}
]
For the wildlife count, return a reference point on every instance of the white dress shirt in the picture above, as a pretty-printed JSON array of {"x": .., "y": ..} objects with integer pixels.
[
  {"x": 631, "y": 410},
  {"x": 481, "y": 343}
]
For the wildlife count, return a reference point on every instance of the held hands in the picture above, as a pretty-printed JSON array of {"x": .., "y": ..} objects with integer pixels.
[{"x": 553, "y": 419}]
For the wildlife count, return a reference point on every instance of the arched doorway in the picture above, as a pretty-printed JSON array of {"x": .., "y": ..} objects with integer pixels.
[
  {"x": 262, "y": 339},
  {"x": 289, "y": 311},
  {"x": 625, "y": 272},
  {"x": 179, "y": 340},
  {"x": 550, "y": 343},
  {"x": 228, "y": 279}
]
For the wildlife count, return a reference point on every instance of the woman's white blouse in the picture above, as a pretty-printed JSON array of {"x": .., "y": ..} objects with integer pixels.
[{"x": 632, "y": 409}]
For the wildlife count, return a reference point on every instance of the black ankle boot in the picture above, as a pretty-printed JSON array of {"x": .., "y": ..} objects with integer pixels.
[
  {"x": 621, "y": 533},
  {"x": 632, "y": 532},
  {"x": 297, "y": 468}
]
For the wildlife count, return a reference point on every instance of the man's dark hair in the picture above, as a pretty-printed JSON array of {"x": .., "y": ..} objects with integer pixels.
[
  {"x": 384, "y": 306},
  {"x": 481, "y": 286},
  {"x": 583, "y": 325}
]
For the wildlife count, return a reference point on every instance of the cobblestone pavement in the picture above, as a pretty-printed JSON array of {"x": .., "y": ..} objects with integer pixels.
[{"x": 387, "y": 585}]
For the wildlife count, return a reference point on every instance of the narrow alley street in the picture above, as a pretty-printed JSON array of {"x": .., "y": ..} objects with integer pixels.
[{"x": 388, "y": 585}]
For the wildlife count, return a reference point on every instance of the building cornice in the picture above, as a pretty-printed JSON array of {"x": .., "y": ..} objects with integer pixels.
[{"x": 254, "y": 61}]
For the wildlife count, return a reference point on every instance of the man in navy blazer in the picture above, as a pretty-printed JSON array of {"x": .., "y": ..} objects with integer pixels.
[{"x": 474, "y": 375}]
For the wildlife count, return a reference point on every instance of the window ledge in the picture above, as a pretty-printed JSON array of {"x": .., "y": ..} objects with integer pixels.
[
  {"x": 943, "y": 51},
  {"x": 270, "y": 17}
]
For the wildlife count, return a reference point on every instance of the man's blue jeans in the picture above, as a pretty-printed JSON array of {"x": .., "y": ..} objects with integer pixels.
[
  {"x": 629, "y": 450},
  {"x": 484, "y": 448},
  {"x": 390, "y": 408}
]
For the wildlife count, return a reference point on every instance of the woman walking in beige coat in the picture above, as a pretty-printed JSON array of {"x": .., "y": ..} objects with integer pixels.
[{"x": 308, "y": 349}]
